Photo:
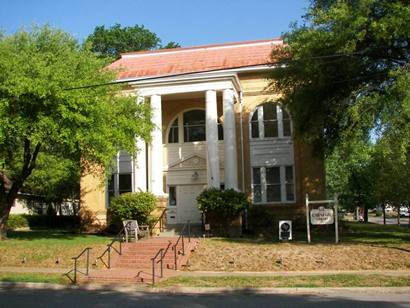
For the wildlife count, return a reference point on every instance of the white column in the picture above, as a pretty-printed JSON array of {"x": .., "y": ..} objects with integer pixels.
[
  {"x": 140, "y": 172},
  {"x": 212, "y": 139},
  {"x": 231, "y": 171},
  {"x": 156, "y": 147}
]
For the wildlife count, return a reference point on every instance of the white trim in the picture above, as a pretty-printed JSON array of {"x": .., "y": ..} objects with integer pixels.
[{"x": 200, "y": 48}]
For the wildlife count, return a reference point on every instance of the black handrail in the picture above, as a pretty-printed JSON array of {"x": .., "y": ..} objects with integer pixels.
[
  {"x": 181, "y": 238},
  {"x": 160, "y": 220},
  {"x": 118, "y": 238},
  {"x": 75, "y": 269},
  {"x": 161, "y": 253}
]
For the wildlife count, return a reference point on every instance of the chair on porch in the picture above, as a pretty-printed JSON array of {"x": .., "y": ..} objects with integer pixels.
[{"x": 134, "y": 231}]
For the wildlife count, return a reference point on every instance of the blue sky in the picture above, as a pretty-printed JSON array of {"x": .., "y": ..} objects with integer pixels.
[{"x": 189, "y": 22}]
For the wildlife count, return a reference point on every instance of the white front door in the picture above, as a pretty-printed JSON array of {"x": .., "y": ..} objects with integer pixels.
[{"x": 187, "y": 208}]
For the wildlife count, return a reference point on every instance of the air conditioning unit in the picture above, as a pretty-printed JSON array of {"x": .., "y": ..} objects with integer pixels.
[{"x": 285, "y": 230}]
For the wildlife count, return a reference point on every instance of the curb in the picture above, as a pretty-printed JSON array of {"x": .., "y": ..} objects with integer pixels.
[{"x": 200, "y": 290}]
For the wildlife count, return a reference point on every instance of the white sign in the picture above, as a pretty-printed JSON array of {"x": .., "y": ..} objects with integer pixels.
[
  {"x": 207, "y": 227},
  {"x": 322, "y": 216}
]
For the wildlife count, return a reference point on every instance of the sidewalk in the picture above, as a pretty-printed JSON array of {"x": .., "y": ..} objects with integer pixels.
[{"x": 226, "y": 273}]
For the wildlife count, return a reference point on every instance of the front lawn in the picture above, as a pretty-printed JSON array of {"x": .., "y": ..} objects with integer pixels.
[
  {"x": 362, "y": 247},
  {"x": 327, "y": 281},
  {"x": 48, "y": 248}
]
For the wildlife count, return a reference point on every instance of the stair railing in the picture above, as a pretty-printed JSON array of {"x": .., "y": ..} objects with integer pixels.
[
  {"x": 160, "y": 221},
  {"x": 75, "y": 269},
  {"x": 110, "y": 247},
  {"x": 181, "y": 239},
  {"x": 160, "y": 254}
]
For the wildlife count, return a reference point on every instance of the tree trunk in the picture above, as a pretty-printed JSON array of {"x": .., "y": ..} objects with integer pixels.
[
  {"x": 365, "y": 214},
  {"x": 5, "y": 207},
  {"x": 398, "y": 215},
  {"x": 384, "y": 213}
]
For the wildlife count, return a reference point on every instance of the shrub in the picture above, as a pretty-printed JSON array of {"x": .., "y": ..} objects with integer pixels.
[
  {"x": 222, "y": 206},
  {"x": 132, "y": 206},
  {"x": 17, "y": 221}
]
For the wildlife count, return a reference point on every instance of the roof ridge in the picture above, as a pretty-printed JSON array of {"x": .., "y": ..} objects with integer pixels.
[{"x": 160, "y": 51}]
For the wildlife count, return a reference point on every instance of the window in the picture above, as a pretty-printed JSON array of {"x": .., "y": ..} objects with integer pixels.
[
  {"x": 120, "y": 180},
  {"x": 270, "y": 121},
  {"x": 124, "y": 183},
  {"x": 173, "y": 132},
  {"x": 273, "y": 184},
  {"x": 193, "y": 127},
  {"x": 172, "y": 196}
]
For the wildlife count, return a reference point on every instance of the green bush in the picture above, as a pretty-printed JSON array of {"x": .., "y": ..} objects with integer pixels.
[
  {"x": 17, "y": 221},
  {"x": 221, "y": 207},
  {"x": 132, "y": 206}
]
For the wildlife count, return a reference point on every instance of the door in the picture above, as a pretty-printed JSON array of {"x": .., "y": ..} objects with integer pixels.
[{"x": 187, "y": 208}]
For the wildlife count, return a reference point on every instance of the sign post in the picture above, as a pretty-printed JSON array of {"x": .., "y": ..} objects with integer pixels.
[
  {"x": 322, "y": 216},
  {"x": 307, "y": 218},
  {"x": 336, "y": 219}
]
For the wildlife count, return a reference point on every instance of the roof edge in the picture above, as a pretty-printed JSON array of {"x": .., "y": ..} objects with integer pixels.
[{"x": 199, "y": 47}]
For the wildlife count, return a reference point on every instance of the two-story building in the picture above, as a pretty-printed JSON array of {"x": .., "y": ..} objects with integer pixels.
[{"x": 217, "y": 125}]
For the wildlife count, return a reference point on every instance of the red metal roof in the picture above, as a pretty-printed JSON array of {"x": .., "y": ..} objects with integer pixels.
[{"x": 194, "y": 59}]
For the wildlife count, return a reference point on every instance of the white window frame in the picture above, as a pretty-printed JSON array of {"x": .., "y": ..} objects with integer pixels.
[
  {"x": 261, "y": 126},
  {"x": 263, "y": 184},
  {"x": 180, "y": 117}
]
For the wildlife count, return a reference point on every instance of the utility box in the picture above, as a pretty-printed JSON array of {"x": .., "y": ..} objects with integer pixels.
[{"x": 285, "y": 230}]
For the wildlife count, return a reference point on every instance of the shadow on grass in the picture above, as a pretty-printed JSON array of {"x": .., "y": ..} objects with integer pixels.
[{"x": 47, "y": 234}]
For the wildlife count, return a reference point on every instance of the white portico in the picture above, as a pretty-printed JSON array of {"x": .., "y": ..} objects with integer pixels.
[{"x": 186, "y": 154}]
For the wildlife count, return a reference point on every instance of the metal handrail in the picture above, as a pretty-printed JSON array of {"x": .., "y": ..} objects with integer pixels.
[
  {"x": 161, "y": 253},
  {"x": 181, "y": 238},
  {"x": 160, "y": 220},
  {"x": 110, "y": 247},
  {"x": 75, "y": 269}
]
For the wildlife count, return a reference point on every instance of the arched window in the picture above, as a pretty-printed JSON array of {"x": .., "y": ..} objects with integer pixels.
[
  {"x": 270, "y": 121},
  {"x": 190, "y": 126}
]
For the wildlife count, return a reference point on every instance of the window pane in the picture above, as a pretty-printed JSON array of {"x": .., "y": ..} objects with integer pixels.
[
  {"x": 271, "y": 128},
  {"x": 255, "y": 129},
  {"x": 290, "y": 195},
  {"x": 111, "y": 183},
  {"x": 256, "y": 176},
  {"x": 289, "y": 174},
  {"x": 273, "y": 193},
  {"x": 269, "y": 112},
  {"x": 220, "y": 131},
  {"x": 286, "y": 128},
  {"x": 194, "y": 133},
  {"x": 257, "y": 195},
  {"x": 255, "y": 125},
  {"x": 124, "y": 183},
  {"x": 172, "y": 196},
  {"x": 273, "y": 175},
  {"x": 194, "y": 126},
  {"x": 173, "y": 132}
]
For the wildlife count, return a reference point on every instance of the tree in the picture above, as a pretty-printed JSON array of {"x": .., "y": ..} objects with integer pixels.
[
  {"x": 50, "y": 102},
  {"x": 116, "y": 40},
  {"x": 337, "y": 61}
]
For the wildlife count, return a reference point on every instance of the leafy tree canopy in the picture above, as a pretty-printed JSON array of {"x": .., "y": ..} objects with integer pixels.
[
  {"x": 43, "y": 108},
  {"x": 341, "y": 64},
  {"x": 116, "y": 40}
]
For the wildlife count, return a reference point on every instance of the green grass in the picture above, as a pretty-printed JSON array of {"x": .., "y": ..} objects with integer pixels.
[
  {"x": 339, "y": 280},
  {"x": 356, "y": 232},
  {"x": 42, "y": 248},
  {"x": 33, "y": 277}
]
